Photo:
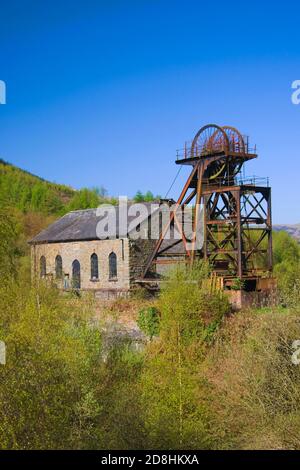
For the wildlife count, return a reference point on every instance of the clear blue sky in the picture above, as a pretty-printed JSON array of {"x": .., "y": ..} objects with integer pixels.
[{"x": 104, "y": 92}]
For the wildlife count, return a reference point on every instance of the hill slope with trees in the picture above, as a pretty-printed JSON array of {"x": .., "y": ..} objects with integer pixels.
[
  {"x": 209, "y": 379},
  {"x": 29, "y": 193}
]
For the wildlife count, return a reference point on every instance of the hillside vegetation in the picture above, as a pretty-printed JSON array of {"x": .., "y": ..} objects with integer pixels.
[
  {"x": 293, "y": 230},
  {"x": 30, "y": 193},
  {"x": 206, "y": 378}
]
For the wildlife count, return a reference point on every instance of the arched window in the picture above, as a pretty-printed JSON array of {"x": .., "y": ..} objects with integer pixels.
[
  {"x": 58, "y": 267},
  {"x": 94, "y": 267},
  {"x": 42, "y": 266},
  {"x": 112, "y": 265},
  {"x": 76, "y": 274}
]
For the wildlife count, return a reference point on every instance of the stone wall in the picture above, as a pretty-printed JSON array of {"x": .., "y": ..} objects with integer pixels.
[
  {"x": 240, "y": 299},
  {"x": 139, "y": 251},
  {"x": 132, "y": 255},
  {"x": 82, "y": 251},
  {"x": 140, "y": 248}
]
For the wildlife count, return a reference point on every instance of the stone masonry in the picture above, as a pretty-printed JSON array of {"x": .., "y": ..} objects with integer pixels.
[
  {"x": 82, "y": 251},
  {"x": 74, "y": 237}
]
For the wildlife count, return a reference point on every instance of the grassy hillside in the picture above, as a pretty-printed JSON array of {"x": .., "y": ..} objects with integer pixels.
[
  {"x": 27, "y": 193},
  {"x": 28, "y": 204},
  {"x": 209, "y": 379}
]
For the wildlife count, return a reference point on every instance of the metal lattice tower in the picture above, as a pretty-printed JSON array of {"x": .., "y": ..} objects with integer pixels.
[{"x": 237, "y": 219}]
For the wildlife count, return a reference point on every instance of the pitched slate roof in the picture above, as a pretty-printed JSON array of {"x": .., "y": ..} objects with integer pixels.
[{"x": 81, "y": 225}]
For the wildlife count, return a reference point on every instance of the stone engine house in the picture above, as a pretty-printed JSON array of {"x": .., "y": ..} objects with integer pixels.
[
  {"x": 70, "y": 253},
  {"x": 221, "y": 216}
]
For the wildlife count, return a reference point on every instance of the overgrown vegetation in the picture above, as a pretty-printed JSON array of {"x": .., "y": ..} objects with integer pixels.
[
  {"x": 208, "y": 379},
  {"x": 148, "y": 321},
  {"x": 254, "y": 385},
  {"x": 176, "y": 415},
  {"x": 287, "y": 268},
  {"x": 148, "y": 196},
  {"x": 29, "y": 193},
  {"x": 49, "y": 383}
]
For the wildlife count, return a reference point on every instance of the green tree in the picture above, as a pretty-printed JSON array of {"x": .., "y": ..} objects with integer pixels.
[
  {"x": 176, "y": 413},
  {"x": 84, "y": 199},
  {"x": 48, "y": 387},
  {"x": 148, "y": 321},
  {"x": 38, "y": 196},
  {"x": 139, "y": 197},
  {"x": 122, "y": 400},
  {"x": 147, "y": 197},
  {"x": 287, "y": 268},
  {"x": 285, "y": 248},
  {"x": 9, "y": 246}
]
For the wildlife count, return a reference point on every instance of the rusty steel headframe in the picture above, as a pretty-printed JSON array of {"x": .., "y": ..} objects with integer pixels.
[{"x": 237, "y": 215}]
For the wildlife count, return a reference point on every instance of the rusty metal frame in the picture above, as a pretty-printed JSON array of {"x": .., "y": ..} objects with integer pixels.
[{"x": 232, "y": 214}]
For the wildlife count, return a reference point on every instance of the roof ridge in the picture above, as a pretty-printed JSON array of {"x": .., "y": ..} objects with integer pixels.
[{"x": 82, "y": 210}]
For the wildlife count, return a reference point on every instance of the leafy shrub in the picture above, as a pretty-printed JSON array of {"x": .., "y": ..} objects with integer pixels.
[
  {"x": 176, "y": 413},
  {"x": 287, "y": 269},
  {"x": 148, "y": 321},
  {"x": 254, "y": 385},
  {"x": 147, "y": 197},
  {"x": 9, "y": 249},
  {"x": 48, "y": 387},
  {"x": 140, "y": 293},
  {"x": 238, "y": 284}
]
